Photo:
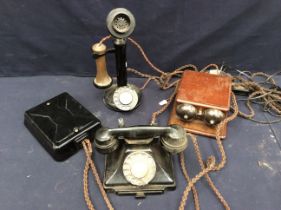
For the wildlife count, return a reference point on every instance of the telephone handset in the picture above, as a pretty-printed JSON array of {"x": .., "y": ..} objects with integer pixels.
[
  {"x": 138, "y": 158},
  {"x": 121, "y": 96}
]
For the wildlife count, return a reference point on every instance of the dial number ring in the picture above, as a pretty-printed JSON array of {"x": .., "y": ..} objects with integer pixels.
[{"x": 139, "y": 168}]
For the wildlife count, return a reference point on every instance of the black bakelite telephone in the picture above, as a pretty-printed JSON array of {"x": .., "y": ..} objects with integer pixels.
[{"x": 138, "y": 158}]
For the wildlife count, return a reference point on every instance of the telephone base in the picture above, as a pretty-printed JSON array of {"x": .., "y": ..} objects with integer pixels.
[
  {"x": 115, "y": 181},
  {"x": 122, "y": 99}
]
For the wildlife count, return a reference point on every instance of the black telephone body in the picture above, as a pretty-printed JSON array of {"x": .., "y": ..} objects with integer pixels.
[{"x": 139, "y": 158}]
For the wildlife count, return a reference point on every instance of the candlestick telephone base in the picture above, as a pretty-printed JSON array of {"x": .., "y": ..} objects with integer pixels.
[{"x": 124, "y": 98}]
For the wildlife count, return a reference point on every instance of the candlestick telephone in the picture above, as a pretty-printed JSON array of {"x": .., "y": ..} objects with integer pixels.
[
  {"x": 138, "y": 158},
  {"x": 121, "y": 96}
]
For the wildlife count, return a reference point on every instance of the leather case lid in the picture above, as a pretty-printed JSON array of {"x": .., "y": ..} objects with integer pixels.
[{"x": 205, "y": 90}]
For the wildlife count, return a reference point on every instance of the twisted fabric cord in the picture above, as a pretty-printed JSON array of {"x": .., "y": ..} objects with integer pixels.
[
  {"x": 163, "y": 108},
  {"x": 210, "y": 166},
  {"x": 204, "y": 171},
  {"x": 87, "y": 146},
  {"x": 145, "y": 56},
  {"x": 270, "y": 98},
  {"x": 208, "y": 178},
  {"x": 86, "y": 187},
  {"x": 104, "y": 39},
  {"x": 219, "y": 129},
  {"x": 187, "y": 178}
]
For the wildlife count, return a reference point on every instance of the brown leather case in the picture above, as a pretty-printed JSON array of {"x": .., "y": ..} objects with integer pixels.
[{"x": 202, "y": 90}]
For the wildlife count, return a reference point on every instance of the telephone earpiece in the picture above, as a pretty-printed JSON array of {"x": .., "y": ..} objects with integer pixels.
[
  {"x": 175, "y": 141},
  {"x": 102, "y": 80},
  {"x": 105, "y": 142}
]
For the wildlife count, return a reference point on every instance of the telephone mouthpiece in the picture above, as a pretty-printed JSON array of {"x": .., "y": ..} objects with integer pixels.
[{"x": 120, "y": 23}]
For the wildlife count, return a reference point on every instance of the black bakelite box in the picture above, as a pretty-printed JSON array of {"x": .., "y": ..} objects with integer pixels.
[{"x": 60, "y": 124}]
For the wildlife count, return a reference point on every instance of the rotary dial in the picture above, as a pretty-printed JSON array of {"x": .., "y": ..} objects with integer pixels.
[
  {"x": 125, "y": 98},
  {"x": 139, "y": 168}
]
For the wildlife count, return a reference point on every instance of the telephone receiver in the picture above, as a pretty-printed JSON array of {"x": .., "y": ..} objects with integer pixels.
[
  {"x": 173, "y": 138},
  {"x": 121, "y": 96}
]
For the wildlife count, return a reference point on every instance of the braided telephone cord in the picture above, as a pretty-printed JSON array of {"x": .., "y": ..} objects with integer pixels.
[
  {"x": 205, "y": 171},
  {"x": 207, "y": 177},
  {"x": 104, "y": 39},
  {"x": 268, "y": 97},
  {"x": 218, "y": 131},
  {"x": 187, "y": 178},
  {"x": 210, "y": 166},
  {"x": 87, "y": 146}
]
